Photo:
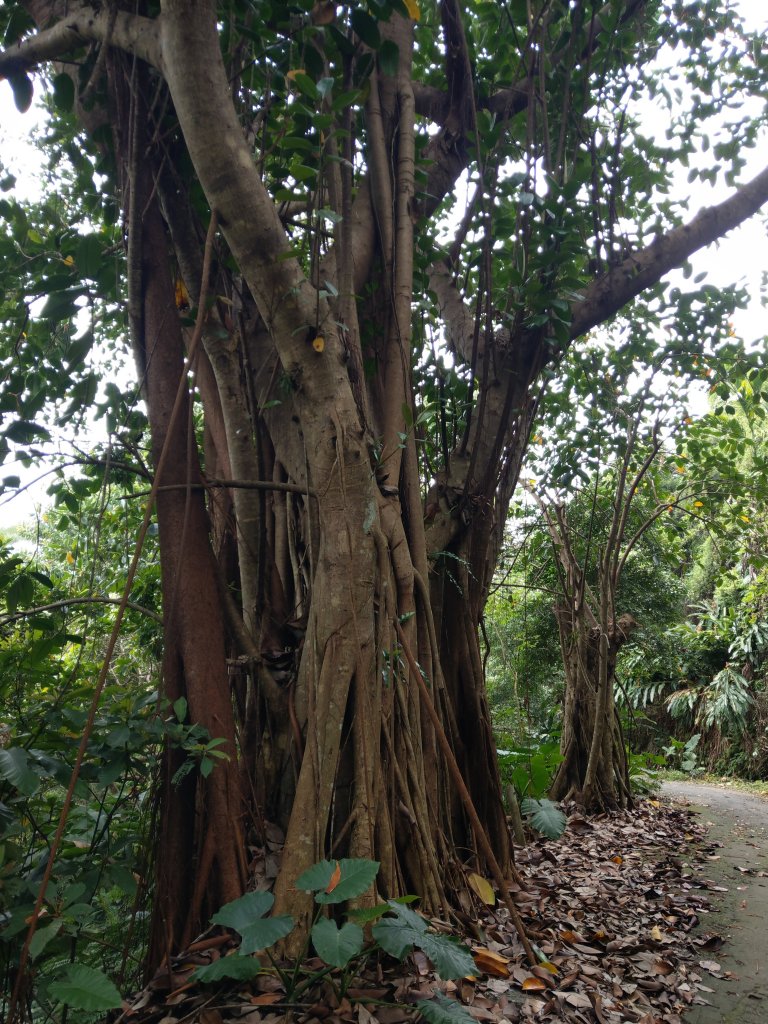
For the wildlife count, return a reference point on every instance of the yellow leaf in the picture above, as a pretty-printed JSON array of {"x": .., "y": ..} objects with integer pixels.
[
  {"x": 656, "y": 933},
  {"x": 182, "y": 295},
  {"x": 290, "y": 75},
  {"x": 546, "y": 965},
  {"x": 413, "y": 9},
  {"x": 69, "y": 261},
  {"x": 679, "y": 469},
  {"x": 318, "y": 343},
  {"x": 698, "y": 504},
  {"x": 618, "y": 859},
  {"x": 70, "y": 558},
  {"x": 744, "y": 519},
  {"x": 491, "y": 963},
  {"x": 483, "y": 888}
]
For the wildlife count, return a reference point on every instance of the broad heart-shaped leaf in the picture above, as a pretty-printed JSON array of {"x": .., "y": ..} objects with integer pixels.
[
  {"x": 240, "y": 914},
  {"x": 397, "y": 935},
  {"x": 241, "y": 968},
  {"x": 442, "y": 1010},
  {"x": 356, "y": 876},
  {"x": 14, "y": 766},
  {"x": 545, "y": 816},
  {"x": 265, "y": 933},
  {"x": 85, "y": 988},
  {"x": 245, "y": 915},
  {"x": 336, "y": 945},
  {"x": 451, "y": 958}
]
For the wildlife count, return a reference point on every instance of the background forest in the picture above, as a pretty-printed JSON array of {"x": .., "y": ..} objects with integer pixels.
[{"x": 434, "y": 445}]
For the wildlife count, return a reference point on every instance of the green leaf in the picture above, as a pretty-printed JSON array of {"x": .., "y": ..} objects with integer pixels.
[
  {"x": 20, "y": 592},
  {"x": 451, "y": 957},
  {"x": 399, "y": 934},
  {"x": 42, "y": 937},
  {"x": 89, "y": 255},
  {"x": 14, "y": 766},
  {"x": 61, "y": 305},
  {"x": 366, "y": 28},
  {"x": 356, "y": 876},
  {"x": 241, "y": 968},
  {"x": 545, "y": 816},
  {"x": 325, "y": 87},
  {"x": 336, "y": 946},
  {"x": 24, "y": 432},
  {"x": 85, "y": 988},
  {"x": 442, "y": 1010},
  {"x": 246, "y": 916},
  {"x": 22, "y": 92},
  {"x": 63, "y": 93}
]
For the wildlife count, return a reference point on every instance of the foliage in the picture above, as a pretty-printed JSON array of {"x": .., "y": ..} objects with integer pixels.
[
  {"x": 545, "y": 816},
  {"x": 396, "y": 930},
  {"x": 530, "y": 768},
  {"x": 681, "y": 754}
]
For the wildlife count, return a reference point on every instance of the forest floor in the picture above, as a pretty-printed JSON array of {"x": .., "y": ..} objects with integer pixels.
[
  {"x": 640, "y": 917},
  {"x": 738, "y": 823}
]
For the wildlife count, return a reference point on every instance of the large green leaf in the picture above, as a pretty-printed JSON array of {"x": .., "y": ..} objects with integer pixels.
[
  {"x": 245, "y": 915},
  {"x": 14, "y": 766},
  {"x": 85, "y": 988},
  {"x": 356, "y": 875},
  {"x": 545, "y": 816},
  {"x": 398, "y": 934},
  {"x": 442, "y": 1010},
  {"x": 451, "y": 957},
  {"x": 42, "y": 937},
  {"x": 337, "y": 945},
  {"x": 241, "y": 968}
]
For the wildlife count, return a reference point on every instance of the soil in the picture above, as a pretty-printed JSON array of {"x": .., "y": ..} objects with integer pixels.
[{"x": 738, "y": 822}]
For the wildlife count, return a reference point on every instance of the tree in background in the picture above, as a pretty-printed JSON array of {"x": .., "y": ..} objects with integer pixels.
[{"x": 329, "y": 540}]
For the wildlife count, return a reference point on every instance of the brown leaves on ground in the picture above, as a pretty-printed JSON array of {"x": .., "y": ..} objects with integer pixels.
[{"x": 610, "y": 908}]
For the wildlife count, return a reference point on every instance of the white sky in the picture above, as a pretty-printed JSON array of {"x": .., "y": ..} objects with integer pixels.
[{"x": 740, "y": 258}]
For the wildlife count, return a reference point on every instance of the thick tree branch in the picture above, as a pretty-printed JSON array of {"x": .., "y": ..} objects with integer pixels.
[
  {"x": 129, "y": 32},
  {"x": 639, "y": 271},
  {"x": 458, "y": 320}
]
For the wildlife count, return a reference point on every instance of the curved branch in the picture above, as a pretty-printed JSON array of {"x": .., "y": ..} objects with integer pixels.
[
  {"x": 15, "y": 616},
  {"x": 609, "y": 293},
  {"x": 130, "y": 32}
]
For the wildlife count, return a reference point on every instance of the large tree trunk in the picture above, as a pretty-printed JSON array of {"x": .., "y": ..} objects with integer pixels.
[
  {"x": 594, "y": 769},
  {"x": 319, "y": 566}
]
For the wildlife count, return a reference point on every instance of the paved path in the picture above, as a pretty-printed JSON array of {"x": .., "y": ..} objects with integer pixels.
[{"x": 739, "y": 821}]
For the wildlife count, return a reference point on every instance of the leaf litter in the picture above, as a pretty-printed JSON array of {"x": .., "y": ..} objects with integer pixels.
[{"x": 610, "y": 908}]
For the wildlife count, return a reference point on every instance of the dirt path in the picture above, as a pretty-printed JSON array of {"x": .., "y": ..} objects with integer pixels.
[{"x": 739, "y": 822}]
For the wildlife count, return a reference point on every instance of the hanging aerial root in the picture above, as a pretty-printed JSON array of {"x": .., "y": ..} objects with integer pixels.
[{"x": 481, "y": 837}]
